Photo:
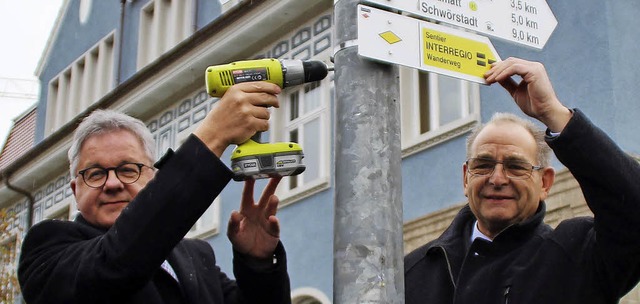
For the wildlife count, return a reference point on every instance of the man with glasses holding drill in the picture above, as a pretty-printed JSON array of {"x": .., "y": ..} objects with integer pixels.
[
  {"x": 126, "y": 245},
  {"x": 498, "y": 249}
]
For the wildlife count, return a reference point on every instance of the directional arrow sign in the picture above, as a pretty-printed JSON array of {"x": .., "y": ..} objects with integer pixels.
[
  {"x": 407, "y": 41},
  {"x": 527, "y": 22}
]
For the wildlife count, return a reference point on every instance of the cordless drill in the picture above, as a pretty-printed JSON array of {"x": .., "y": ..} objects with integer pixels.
[{"x": 253, "y": 159}]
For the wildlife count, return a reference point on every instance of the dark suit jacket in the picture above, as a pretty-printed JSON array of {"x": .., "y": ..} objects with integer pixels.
[{"x": 75, "y": 262}]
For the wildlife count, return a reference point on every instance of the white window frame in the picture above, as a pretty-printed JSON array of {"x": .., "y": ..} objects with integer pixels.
[
  {"x": 163, "y": 24},
  {"x": 62, "y": 210},
  {"x": 281, "y": 126},
  {"x": 413, "y": 140}
]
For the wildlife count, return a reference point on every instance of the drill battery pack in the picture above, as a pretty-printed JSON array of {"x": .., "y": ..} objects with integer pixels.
[{"x": 257, "y": 160}]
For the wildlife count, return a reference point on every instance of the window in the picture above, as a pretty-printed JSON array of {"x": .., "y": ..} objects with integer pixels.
[
  {"x": 81, "y": 84},
  {"x": 60, "y": 211},
  {"x": 163, "y": 24},
  {"x": 434, "y": 108},
  {"x": 303, "y": 118}
]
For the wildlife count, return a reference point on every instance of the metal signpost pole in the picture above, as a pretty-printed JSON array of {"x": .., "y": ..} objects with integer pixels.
[{"x": 368, "y": 246}]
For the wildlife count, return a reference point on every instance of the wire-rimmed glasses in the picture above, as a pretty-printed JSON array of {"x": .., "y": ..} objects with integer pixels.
[{"x": 516, "y": 169}]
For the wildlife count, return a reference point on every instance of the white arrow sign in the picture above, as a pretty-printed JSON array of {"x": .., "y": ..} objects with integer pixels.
[
  {"x": 527, "y": 22},
  {"x": 426, "y": 46}
]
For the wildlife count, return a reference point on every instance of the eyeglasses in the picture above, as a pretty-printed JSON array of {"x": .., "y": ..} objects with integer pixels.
[
  {"x": 516, "y": 169},
  {"x": 127, "y": 173}
]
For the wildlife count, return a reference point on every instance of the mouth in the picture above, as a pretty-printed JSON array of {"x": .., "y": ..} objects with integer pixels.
[
  {"x": 498, "y": 197},
  {"x": 113, "y": 203}
]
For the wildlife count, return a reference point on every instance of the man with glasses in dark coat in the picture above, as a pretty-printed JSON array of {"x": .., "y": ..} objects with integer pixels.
[
  {"x": 498, "y": 249},
  {"x": 126, "y": 245}
]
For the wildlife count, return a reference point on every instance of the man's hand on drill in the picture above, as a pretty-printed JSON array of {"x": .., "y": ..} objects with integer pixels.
[{"x": 240, "y": 113}]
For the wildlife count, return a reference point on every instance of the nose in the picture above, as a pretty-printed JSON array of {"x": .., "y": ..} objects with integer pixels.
[
  {"x": 498, "y": 177},
  {"x": 112, "y": 181}
]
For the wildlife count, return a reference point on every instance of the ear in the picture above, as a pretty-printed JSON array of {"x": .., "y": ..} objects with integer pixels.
[
  {"x": 72, "y": 184},
  {"x": 465, "y": 182},
  {"x": 548, "y": 177}
]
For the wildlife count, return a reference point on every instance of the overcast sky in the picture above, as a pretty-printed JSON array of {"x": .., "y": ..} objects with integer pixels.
[{"x": 25, "y": 26}]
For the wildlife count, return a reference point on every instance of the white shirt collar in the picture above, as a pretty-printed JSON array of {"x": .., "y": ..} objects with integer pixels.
[
  {"x": 167, "y": 267},
  {"x": 476, "y": 233}
]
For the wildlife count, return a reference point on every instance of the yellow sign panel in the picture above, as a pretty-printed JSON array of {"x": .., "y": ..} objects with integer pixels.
[{"x": 456, "y": 53}]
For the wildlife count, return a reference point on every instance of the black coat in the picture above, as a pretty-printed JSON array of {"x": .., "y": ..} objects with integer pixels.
[
  {"x": 75, "y": 262},
  {"x": 581, "y": 261}
]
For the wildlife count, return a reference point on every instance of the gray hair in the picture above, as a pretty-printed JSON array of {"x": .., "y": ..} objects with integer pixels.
[
  {"x": 106, "y": 121},
  {"x": 543, "y": 150}
]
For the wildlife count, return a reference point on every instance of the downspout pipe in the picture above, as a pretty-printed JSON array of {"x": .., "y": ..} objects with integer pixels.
[
  {"x": 120, "y": 42},
  {"x": 26, "y": 193},
  {"x": 194, "y": 17}
]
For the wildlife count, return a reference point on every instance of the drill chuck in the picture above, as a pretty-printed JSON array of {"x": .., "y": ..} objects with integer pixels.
[{"x": 298, "y": 72}]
